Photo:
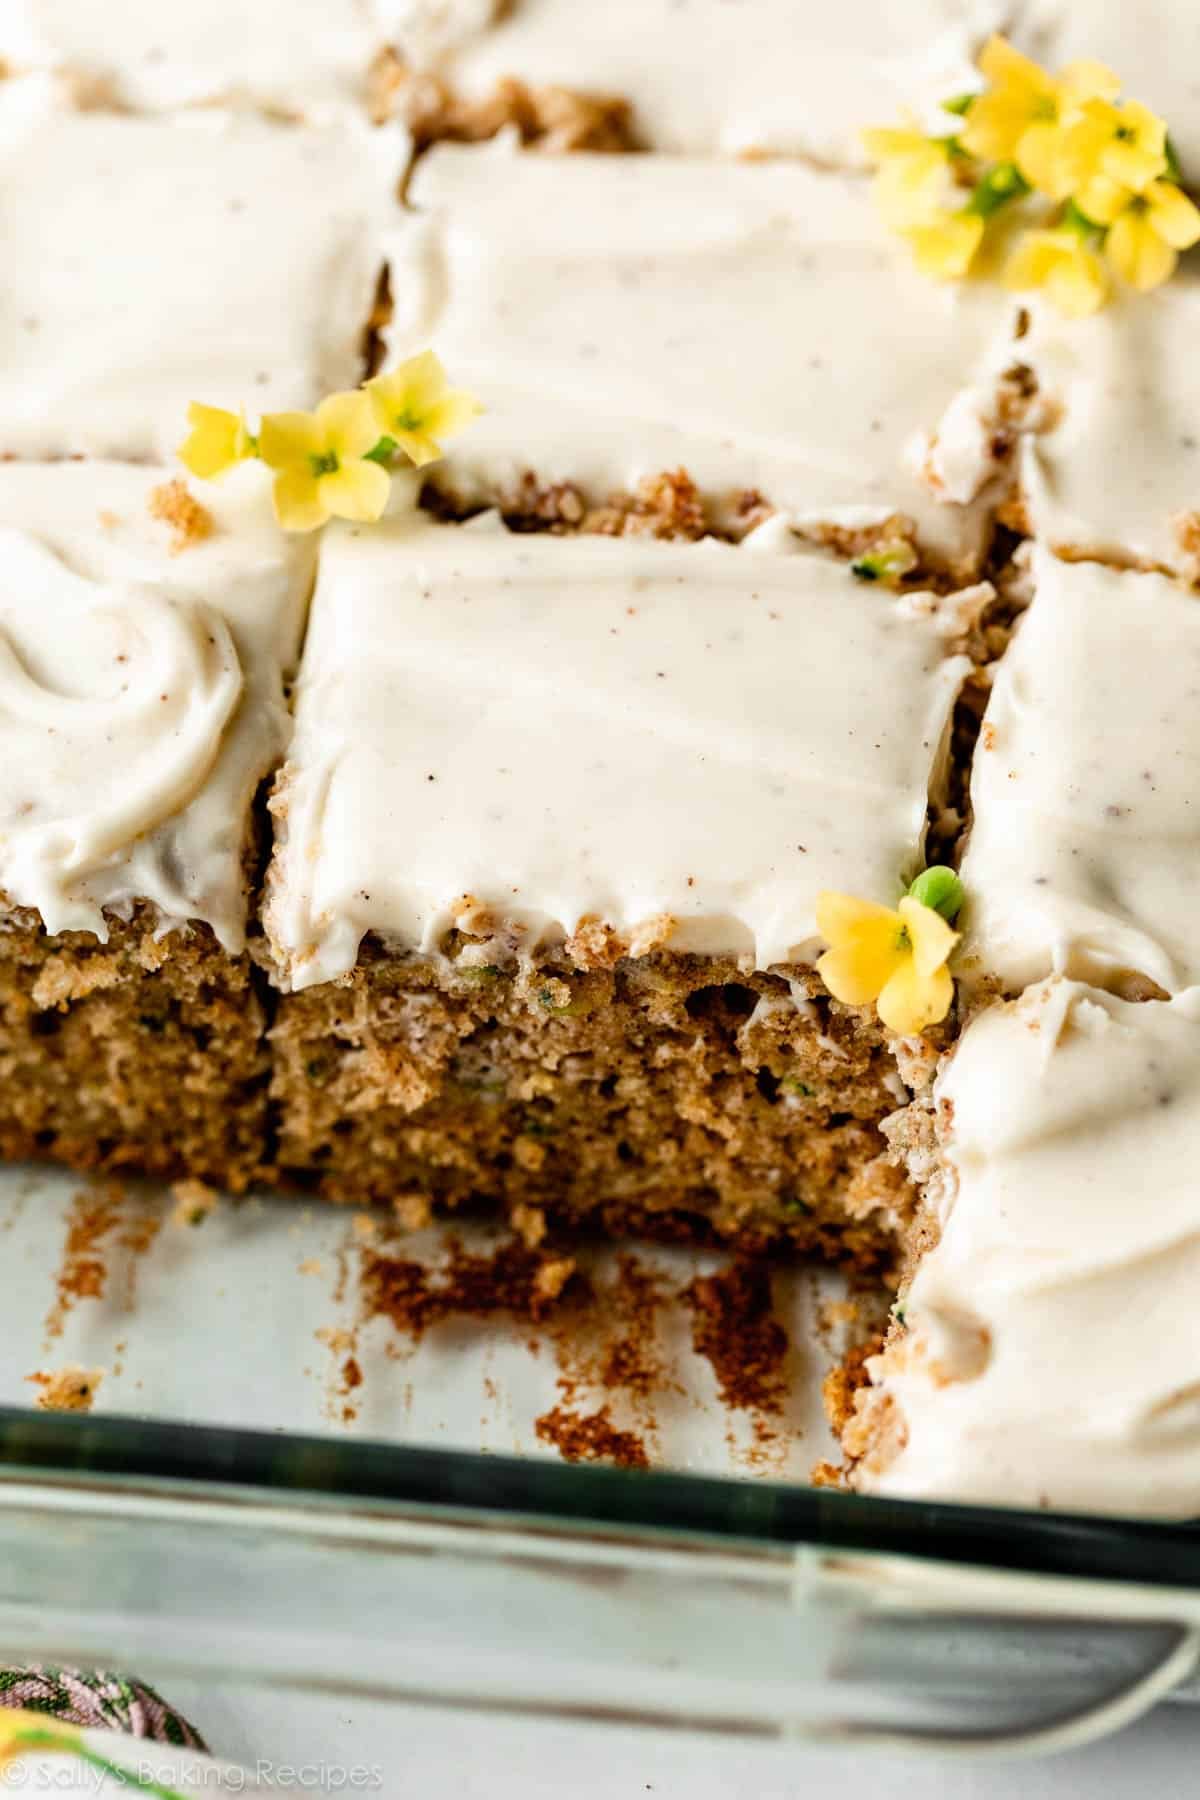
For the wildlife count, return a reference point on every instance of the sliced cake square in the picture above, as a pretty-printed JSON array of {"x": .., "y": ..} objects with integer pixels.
[
  {"x": 151, "y": 262},
  {"x": 622, "y": 316},
  {"x": 549, "y": 842},
  {"x": 1084, "y": 850},
  {"x": 1114, "y": 470},
  {"x": 701, "y": 76},
  {"x": 293, "y": 56},
  {"x": 142, "y": 659}
]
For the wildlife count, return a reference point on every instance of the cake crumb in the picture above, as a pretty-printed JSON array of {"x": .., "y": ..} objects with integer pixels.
[
  {"x": 734, "y": 1328},
  {"x": 652, "y": 934},
  {"x": 69, "y": 1389},
  {"x": 174, "y": 505},
  {"x": 365, "y": 1228},
  {"x": 525, "y": 1284},
  {"x": 311, "y": 1265},
  {"x": 594, "y": 945},
  {"x": 335, "y": 1338},
  {"x": 529, "y": 1223},
  {"x": 413, "y": 1212},
  {"x": 194, "y": 1201},
  {"x": 591, "y": 1437}
]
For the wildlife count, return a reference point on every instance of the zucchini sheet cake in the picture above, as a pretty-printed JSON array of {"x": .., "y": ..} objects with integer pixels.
[{"x": 488, "y": 852}]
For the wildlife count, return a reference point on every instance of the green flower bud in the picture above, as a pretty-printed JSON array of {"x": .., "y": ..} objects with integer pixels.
[{"x": 940, "y": 889}]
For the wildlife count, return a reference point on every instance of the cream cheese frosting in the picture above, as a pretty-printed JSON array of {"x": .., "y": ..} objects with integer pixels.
[
  {"x": 290, "y": 55},
  {"x": 1116, "y": 471},
  {"x": 1084, "y": 854},
  {"x": 583, "y": 727},
  {"x": 618, "y": 316},
  {"x": 1154, "y": 47},
  {"x": 152, "y": 262},
  {"x": 704, "y": 75},
  {"x": 141, "y": 693},
  {"x": 1051, "y": 1356}
]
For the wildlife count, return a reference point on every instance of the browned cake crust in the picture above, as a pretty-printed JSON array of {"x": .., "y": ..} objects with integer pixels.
[
  {"x": 554, "y": 119},
  {"x": 146, "y": 1053},
  {"x": 663, "y": 1095}
]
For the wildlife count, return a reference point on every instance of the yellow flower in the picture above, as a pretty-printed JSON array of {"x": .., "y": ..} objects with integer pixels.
[
  {"x": 897, "y": 958},
  {"x": 912, "y": 174},
  {"x": 945, "y": 247},
  {"x": 21, "y": 1731},
  {"x": 321, "y": 463},
  {"x": 1023, "y": 115},
  {"x": 415, "y": 406},
  {"x": 217, "y": 441},
  {"x": 1061, "y": 262},
  {"x": 1146, "y": 231},
  {"x": 1126, "y": 144}
]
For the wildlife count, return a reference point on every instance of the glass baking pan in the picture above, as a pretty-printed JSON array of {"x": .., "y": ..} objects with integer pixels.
[{"x": 282, "y": 1481}]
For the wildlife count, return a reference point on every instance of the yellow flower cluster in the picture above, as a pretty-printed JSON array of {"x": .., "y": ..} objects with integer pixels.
[
  {"x": 1096, "y": 175},
  {"x": 336, "y": 462},
  {"x": 894, "y": 956}
]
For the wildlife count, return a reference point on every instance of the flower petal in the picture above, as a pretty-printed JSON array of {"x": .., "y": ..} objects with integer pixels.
[
  {"x": 1004, "y": 67},
  {"x": 910, "y": 1001},
  {"x": 931, "y": 937},
  {"x": 1078, "y": 285},
  {"x": 1086, "y": 80},
  {"x": 288, "y": 440},
  {"x": 994, "y": 125},
  {"x": 455, "y": 409},
  {"x": 347, "y": 424},
  {"x": 299, "y": 503},
  {"x": 1044, "y": 158},
  {"x": 866, "y": 946},
  {"x": 408, "y": 391},
  {"x": 1135, "y": 166},
  {"x": 1035, "y": 256},
  {"x": 1174, "y": 217},
  {"x": 852, "y": 978},
  {"x": 418, "y": 446},
  {"x": 887, "y": 143},
  {"x": 1137, "y": 253},
  {"x": 217, "y": 440},
  {"x": 1101, "y": 199},
  {"x": 945, "y": 250},
  {"x": 358, "y": 491}
]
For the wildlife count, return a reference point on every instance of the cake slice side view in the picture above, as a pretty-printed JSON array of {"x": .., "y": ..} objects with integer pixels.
[
  {"x": 141, "y": 704},
  {"x": 549, "y": 842}
]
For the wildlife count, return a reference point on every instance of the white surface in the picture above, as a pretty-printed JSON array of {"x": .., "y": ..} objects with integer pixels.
[
  {"x": 179, "y": 1319},
  {"x": 474, "y": 1757}
]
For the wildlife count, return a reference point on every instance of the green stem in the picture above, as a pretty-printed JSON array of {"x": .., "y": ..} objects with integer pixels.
[
  {"x": 383, "y": 451},
  {"x": 125, "y": 1778},
  {"x": 1075, "y": 219},
  {"x": 33, "y": 1738},
  {"x": 1000, "y": 185}
]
